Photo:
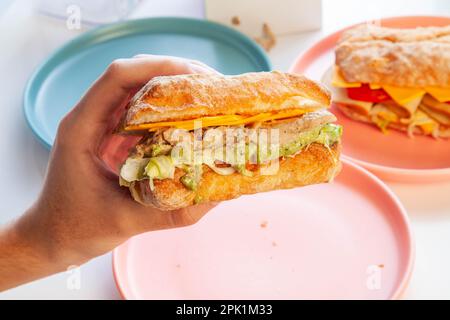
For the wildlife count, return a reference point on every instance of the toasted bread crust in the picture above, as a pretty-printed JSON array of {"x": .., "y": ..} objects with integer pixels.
[
  {"x": 316, "y": 164},
  {"x": 181, "y": 97},
  {"x": 400, "y": 57}
]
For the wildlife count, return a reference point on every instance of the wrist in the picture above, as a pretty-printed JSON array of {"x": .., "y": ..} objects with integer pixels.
[
  {"x": 36, "y": 232},
  {"x": 23, "y": 257}
]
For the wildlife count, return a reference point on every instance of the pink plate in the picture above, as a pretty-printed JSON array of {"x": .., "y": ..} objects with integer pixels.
[
  {"x": 346, "y": 240},
  {"x": 393, "y": 157}
]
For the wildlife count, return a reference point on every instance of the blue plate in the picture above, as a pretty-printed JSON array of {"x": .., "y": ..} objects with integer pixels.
[{"x": 62, "y": 79}]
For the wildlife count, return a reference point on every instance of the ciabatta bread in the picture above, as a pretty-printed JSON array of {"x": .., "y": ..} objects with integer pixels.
[
  {"x": 399, "y": 57},
  {"x": 174, "y": 98}
]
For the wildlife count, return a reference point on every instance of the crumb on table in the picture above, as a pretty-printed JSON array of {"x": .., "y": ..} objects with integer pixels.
[
  {"x": 268, "y": 39},
  {"x": 235, "y": 21}
]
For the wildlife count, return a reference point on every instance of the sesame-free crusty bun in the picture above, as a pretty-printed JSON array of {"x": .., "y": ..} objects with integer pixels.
[
  {"x": 316, "y": 164},
  {"x": 182, "y": 97},
  {"x": 418, "y": 57}
]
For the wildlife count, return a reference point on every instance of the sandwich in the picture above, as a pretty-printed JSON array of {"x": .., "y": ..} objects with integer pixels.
[
  {"x": 394, "y": 78},
  {"x": 271, "y": 131}
]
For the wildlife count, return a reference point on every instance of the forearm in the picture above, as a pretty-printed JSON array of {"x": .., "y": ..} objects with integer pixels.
[
  {"x": 82, "y": 212},
  {"x": 26, "y": 253}
]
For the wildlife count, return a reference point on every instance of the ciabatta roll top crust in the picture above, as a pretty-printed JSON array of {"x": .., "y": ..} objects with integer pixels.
[
  {"x": 368, "y": 32},
  {"x": 399, "y": 57},
  {"x": 181, "y": 97}
]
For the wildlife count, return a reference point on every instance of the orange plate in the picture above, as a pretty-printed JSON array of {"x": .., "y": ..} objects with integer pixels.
[{"x": 393, "y": 157}]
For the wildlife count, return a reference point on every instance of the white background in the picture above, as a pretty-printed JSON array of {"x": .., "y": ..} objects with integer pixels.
[{"x": 27, "y": 39}]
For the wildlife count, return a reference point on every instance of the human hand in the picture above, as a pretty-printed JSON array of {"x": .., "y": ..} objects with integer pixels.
[{"x": 82, "y": 212}]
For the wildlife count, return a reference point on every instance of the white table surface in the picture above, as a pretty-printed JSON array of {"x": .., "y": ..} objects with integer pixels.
[{"x": 28, "y": 38}]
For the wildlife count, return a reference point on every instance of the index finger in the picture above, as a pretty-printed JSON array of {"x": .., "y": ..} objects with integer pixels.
[{"x": 124, "y": 75}]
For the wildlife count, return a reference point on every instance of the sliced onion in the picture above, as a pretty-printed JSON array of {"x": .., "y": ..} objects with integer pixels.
[
  {"x": 160, "y": 167},
  {"x": 410, "y": 131},
  {"x": 436, "y": 132},
  {"x": 133, "y": 169}
]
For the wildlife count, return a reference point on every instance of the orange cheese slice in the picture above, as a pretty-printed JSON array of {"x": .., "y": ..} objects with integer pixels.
[
  {"x": 225, "y": 120},
  {"x": 264, "y": 117},
  {"x": 206, "y": 121},
  {"x": 339, "y": 81},
  {"x": 440, "y": 94},
  {"x": 375, "y": 86},
  {"x": 404, "y": 95},
  {"x": 401, "y": 95}
]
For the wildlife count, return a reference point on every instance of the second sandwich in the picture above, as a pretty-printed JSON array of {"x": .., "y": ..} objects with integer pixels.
[{"x": 394, "y": 78}]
